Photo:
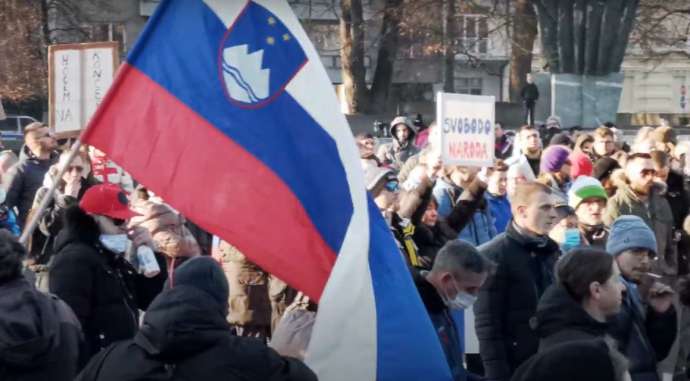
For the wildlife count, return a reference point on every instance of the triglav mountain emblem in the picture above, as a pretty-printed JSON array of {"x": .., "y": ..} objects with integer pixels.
[
  {"x": 245, "y": 80},
  {"x": 258, "y": 57}
]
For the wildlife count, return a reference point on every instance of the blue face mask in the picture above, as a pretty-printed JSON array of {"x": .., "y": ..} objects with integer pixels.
[{"x": 571, "y": 239}]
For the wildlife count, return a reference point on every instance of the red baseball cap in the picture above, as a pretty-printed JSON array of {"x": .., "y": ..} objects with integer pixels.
[{"x": 107, "y": 200}]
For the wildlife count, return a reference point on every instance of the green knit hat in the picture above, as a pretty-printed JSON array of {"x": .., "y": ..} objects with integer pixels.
[{"x": 583, "y": 188}]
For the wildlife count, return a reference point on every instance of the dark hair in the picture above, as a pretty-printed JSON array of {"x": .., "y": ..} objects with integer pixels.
[
  {"x": 363, "y": 135},
  {"x": 80, "y": 223},
  {"x": 576, "y": 270},
  {"x": 12, "y": 254},
  {"x": 500, "y": 166},
  {"x": 527, "y": 127},
  {"x": 660, "y": 158},
  {"x": 457, "y": 254},
  {"x": 639, "y": 155}
]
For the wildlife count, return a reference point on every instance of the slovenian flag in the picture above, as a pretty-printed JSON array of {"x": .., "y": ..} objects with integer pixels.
[{"x": 224, "y": 109}]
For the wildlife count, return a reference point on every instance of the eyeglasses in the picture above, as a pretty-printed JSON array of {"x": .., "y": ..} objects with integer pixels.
[{"x": 392, "y": 186}]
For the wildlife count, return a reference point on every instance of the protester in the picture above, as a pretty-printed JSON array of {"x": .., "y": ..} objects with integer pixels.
[
  {"x": 452, "y": 285},
  {"x": 562, "y": 139},
  {"x": 39, "y": 335},
  {"x": 551, "y": 128},
  {"x": 184, "y": 336},
  {"x": 638, "y": 195},
  {"x": 604, "y": 145},
  {"x": 603, "y": 169},
  {"x": 583, "y": 144},
  {"x": 587, "y": 197},
  {"x": 519, "y": 172},
  {"x": 580, "y": 165},
  {"x": 91, "y": 272},
  {"x": 588, "y": 293},
  {"x": 449, "y": 190},
  {"x": 167, "y": 229},
  {"x": 8, "y": 220},
  {"x": 529, "y": 95},
  {"x": 565, "y": 233},
  {"x": 366, "y": 145},
  {"x": 70, "y": 189},
  {"x": 497, "y": 196},
  {"x": 525, "y": 256},
  {"x": 646, "y": 326},
  {"x": 26, "y": 177},
  {"x": 530, "y": 147},
  {"x": 665, "y": 139},
  {"x": 504, "y": 145},
  {"x": 395, "y": 154},
  {"x": 555, "y": 169}
]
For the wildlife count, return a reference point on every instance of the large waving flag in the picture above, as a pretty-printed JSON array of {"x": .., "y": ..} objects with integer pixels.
[{"x": 224, "y": 109}]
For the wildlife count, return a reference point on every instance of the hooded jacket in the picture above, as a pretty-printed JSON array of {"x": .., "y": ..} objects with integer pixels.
[
  {"x": 25, "y": 178},
  {"x": 509, "y": 299},
  {"x": 185, "y": 336},
  {"x": 102, "y": 288},
  {"x": 396, "y": 153},
  {"x": 560, "y": 319},
  {"x": 40, "y": 337},
  {"x": 656, "y": 214}
]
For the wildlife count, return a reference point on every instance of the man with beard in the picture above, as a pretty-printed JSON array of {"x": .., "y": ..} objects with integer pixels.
[
  {"x": 588, "y": 198},
  {"x": 638, "y": 195},
  {"x": 396, "y": 153},
  {"x": 525, "y": 256},
  {"x": 27, "y": 176},
  {"x": 645, "y": 328}
]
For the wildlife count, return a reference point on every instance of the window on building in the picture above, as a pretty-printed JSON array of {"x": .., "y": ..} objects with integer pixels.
[
  {"x": 465, "y": 85},
  {"x": 473, "y": 32}
]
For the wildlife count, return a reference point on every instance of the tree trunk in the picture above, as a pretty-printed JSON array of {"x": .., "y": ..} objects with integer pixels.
[
  {"x": 524, "y": 35},
  {"x": 352, "y": 55},
  {"x": 383, "y": 76},
  {"x": 449, "y": 41}
]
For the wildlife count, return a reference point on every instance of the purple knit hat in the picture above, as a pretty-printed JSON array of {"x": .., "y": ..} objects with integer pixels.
[{"x": 553, "y": 158}]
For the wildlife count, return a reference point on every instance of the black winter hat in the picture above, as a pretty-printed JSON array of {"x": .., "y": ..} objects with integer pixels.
[
  {"x": 604, "y": 167},
  {"x": 205, "y": 274}
]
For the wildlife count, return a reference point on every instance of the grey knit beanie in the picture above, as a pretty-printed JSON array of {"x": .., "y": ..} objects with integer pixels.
[{"x": 630, "y": 232}]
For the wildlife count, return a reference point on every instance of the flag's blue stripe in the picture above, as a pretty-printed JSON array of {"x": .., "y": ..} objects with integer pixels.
[
  {"x": 179, "y": 50},
  {"x": 408, "y": 348}
]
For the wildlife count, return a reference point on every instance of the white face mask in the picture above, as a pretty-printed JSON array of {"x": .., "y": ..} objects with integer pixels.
[
  {"x": 462, "y": 300},
  {"x": 116, "y": 243}
]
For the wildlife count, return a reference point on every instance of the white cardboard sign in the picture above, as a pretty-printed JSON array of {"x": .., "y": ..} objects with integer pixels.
[
  {"x": 467, "y": 129},
  {"x": 80, "y": 75}
]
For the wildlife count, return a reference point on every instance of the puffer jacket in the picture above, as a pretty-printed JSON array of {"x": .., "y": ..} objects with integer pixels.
[
  {"x": 480, "y": 228},
  {"x": 24, "y": 180},
  {"x": 500, "y": 211},
  {"x": 40, "y": 338},
  {"x": 657, "y": 216},
  {"x": 509, "y": 299},
  {"x": 167, "y": 228}
]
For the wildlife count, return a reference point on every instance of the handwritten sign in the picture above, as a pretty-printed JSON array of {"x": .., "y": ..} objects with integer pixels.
[
  {"x": 80, "y": 75},
  {"x": 467, "y": 129}
]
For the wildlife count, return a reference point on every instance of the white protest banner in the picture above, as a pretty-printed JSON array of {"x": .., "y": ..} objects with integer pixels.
[
  {"x": 467, "y": 128},
  {"x": 79, "y": 77}
]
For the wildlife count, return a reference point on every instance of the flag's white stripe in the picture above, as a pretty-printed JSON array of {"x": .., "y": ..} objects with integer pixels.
[{"x": 343, "y": 345}]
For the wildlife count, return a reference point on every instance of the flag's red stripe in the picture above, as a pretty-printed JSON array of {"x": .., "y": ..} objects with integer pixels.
[{"x": 211, "y": 179}]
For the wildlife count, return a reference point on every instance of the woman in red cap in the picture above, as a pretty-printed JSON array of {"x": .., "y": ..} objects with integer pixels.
[{"x": 90, "y": 271}]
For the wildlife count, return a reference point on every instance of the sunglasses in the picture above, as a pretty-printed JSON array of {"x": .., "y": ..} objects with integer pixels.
[
  {"x": 392, "y": 186},
  {"x": 117, "y": 221},
  {"x": 77, "y": 168}
]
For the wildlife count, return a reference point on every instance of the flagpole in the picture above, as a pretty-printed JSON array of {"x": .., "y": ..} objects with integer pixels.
[{"x": 36, "y": 216}]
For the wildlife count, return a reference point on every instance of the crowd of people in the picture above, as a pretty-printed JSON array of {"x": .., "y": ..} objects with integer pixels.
[
  {"x": 572, "y": 245},
  {"x": 570, "y": 251}
]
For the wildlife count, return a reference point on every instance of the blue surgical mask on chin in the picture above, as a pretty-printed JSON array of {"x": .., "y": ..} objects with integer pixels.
[{"x": 571, "y": 239}]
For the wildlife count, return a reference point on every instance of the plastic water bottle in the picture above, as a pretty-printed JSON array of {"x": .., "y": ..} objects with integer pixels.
[{"x": 147, "y": 262}]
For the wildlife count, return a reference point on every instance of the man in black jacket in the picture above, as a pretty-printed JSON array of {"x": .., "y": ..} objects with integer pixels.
[
  {"x": 26, "y": 177},
  {"x": 185, "y": 337},
  {"x": 524, "y": 255},
  {"x": 40, "y": 337},
  {"x": 529, "y": 95}
]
